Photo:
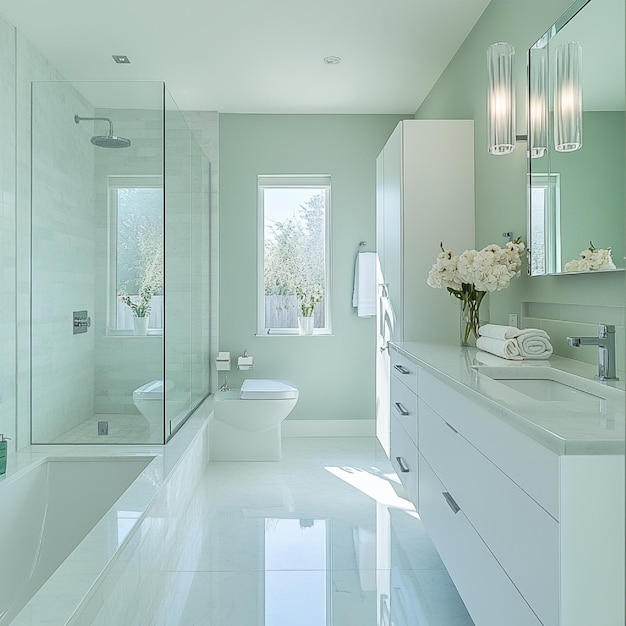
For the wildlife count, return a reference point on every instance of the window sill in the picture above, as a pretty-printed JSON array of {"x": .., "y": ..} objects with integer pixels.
[{"x": 296, "y": 334}]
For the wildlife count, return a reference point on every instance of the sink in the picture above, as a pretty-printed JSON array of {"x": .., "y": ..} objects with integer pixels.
[{"x": 548, "y": 384}]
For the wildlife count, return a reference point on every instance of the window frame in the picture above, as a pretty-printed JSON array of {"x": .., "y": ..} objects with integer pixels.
[
  {"x": 114, "y": 183},
  {"x": 288, "y": 181}
]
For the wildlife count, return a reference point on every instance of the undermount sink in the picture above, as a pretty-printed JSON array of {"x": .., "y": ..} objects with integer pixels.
[{"x": 548, "y": 384}]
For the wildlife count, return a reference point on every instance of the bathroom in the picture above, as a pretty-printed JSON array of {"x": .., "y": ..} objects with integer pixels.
[{"x": 241, "y": 146}]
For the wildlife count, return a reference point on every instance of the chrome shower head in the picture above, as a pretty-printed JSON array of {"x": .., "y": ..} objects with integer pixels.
[
  {"x": 110, "y": 141},
  {"x": 105, "y": 141}
]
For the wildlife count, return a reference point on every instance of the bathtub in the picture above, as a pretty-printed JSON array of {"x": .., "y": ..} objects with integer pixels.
[{"x": 47, "y": 511}]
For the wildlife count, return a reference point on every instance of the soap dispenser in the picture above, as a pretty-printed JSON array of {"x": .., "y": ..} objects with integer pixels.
[{"x": 3, "y": 454}]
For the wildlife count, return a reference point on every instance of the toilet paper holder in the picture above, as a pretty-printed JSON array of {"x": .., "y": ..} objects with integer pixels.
[
  {"x": 245, "y": 361},
  {"x": 222, "y": 362}
]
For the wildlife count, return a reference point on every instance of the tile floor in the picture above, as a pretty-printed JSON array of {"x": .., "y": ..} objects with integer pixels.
[{"x": 322, "y": 538}]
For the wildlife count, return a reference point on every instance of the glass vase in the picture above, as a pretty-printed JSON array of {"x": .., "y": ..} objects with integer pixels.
[{"x": 471, "y": 318}]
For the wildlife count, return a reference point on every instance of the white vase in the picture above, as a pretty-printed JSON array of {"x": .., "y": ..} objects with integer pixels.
[
  {"x": 141, "y": 325},
  {"x": 305, "y": 325}
]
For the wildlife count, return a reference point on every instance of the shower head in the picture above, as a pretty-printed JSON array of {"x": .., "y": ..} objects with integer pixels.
[{"x": 105, "y": 141}]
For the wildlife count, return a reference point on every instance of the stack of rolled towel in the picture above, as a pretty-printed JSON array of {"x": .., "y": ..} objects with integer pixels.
[{"x": 512, "y": 343}]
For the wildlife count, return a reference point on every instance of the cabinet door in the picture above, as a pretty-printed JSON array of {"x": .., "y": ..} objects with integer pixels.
[
  {"x": 392, "y": 226},
  {"x": 520, "y": 534},
  {"x": 404, "y": 459},
  {"x": 488, "y": 593}
]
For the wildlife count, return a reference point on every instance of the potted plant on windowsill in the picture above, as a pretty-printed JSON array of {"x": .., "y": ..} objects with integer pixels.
[
  {"x": 140, "y": 306},
  {"x": 308, "y": 296}
]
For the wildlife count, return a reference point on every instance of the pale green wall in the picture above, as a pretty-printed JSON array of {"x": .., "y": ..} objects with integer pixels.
[
  {"x": 335, "y": 374},
  {"x": 592, "y": 187},
  {"x": 500, "y": 180}
]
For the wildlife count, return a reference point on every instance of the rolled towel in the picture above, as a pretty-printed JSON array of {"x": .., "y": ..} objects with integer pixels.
[
  {"x": 504, "y": 348},
  {"x": 534, "y": 343},
  {"x": 498, "y": 332}
]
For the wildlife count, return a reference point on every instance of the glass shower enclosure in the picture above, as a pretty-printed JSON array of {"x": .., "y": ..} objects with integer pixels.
[{"x": 119, "y": 283}]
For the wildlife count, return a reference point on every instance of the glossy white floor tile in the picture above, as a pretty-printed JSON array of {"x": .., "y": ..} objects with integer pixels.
[{"x": 322, "y": 538}]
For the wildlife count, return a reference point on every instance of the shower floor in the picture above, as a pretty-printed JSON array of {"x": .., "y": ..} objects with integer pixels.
[{"x": 122, "y": 428}]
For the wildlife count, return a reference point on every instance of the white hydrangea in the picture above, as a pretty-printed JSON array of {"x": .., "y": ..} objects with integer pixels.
[
  {"x": 489, "y": 269},
  {"x": 590, "y": 259}
]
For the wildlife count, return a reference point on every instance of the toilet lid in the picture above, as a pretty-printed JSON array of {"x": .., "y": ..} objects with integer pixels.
[{"x": 261, "y": 389}]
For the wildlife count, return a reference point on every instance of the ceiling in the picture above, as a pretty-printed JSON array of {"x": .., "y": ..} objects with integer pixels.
[{"x": 256, "y": 56}]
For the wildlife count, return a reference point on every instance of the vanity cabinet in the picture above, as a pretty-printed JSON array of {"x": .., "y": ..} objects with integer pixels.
[
  {"x": 424, "y": 184},
  {"x": 403, "y": 426},
  {"x": 529, "y": 536}
]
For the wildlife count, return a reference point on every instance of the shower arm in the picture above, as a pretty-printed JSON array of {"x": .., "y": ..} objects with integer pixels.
[{"x": 78, "y": 119}]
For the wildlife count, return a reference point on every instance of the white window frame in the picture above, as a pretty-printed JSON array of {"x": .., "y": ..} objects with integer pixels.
[
  {"x": 115, "y": 182},
  {"x": 550, "y": 186},
  {"x": 308, "y": 181}
]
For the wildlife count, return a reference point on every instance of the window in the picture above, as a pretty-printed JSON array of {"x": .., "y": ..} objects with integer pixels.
[
  {"x": 545, "y": 253},
  {"x": 294, "y": 253},
  {"x": 135, "y": 252}
]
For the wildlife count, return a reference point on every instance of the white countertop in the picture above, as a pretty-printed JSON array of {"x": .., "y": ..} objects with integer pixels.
[{"x": 563, "y": 427}]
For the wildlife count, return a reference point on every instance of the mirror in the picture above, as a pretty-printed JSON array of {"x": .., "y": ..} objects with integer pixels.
[{"x": 576, "y": 198}]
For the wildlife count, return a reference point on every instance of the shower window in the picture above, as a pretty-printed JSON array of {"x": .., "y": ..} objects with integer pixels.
[
  {"x": 135, "y": 207},
  {"x": 294, "y": 233}
]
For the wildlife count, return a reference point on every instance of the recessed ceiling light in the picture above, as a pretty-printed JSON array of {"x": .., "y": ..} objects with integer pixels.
[
  {"x": 332, "y": 60},
  {"x": 120, "y": 58}
]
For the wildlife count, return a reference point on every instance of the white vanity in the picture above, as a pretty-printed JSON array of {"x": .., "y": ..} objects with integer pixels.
[{"x": 517, "y": 471}]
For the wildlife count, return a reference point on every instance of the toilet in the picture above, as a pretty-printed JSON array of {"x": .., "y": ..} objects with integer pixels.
[
  {"x": 247, "y": 421},
  {"x": 149, "y": 402}
]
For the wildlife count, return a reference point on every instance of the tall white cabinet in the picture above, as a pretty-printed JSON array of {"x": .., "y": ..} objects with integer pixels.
[{"x": 424, "y": 196}]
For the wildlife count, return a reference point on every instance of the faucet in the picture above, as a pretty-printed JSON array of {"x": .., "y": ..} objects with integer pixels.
[{"x": 606, "y": 350}]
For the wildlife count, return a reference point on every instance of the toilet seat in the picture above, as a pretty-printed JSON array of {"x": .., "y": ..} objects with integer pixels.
[{"x": 262, "y": 389}]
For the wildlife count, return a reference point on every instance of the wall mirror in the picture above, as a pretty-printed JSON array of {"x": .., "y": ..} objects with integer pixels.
[{"x": 576, "y": 189}]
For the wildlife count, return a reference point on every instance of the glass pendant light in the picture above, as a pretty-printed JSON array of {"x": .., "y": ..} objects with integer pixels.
[
  {"x": 538, "y": 103},
  {"x": 501, "y": 99},
  {"x": 568, "y": 100}
]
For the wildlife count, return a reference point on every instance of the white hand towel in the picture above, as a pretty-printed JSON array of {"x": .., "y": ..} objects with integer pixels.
[
  {"x": 364, "y": 293},
  {"x": 498, "y": 332},
  {"x": 534, "y": 343},
  {"x": 505, "y": 348}
]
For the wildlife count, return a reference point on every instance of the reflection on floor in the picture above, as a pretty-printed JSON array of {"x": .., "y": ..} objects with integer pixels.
[{"x": 322, "y": 538}]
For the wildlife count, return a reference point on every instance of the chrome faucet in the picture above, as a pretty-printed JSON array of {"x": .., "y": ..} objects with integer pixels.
[{"x": 606, "y": 350}]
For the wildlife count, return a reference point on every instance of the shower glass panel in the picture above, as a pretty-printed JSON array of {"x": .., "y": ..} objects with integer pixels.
[{"x": 100, "y": 208}]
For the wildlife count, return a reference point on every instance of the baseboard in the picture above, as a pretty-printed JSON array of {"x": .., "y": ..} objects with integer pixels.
[{"x": 329, "y": 428}]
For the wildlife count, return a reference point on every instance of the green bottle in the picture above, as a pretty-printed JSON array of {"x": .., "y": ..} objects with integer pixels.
[{"x": 3, "y": 454}]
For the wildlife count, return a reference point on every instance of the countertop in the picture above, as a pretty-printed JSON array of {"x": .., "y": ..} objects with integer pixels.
[{"x": 562, "y": 427}]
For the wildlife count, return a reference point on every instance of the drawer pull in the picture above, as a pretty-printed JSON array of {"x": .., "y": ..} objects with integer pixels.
[
  {"x": 402, "y": 410},
  {"x": 452, "y": 428},
  {"x": 402, "y": 369},
  {"x": 451, "y": 503},
  {"x": 403, "y": 466}
]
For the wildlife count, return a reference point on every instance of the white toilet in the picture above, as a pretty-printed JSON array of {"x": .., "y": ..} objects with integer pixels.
[
  {"x": 149, "y": 401},
  {"x": 247, "y": 424}
]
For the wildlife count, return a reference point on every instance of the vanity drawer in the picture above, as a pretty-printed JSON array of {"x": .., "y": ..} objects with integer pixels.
[
  {"x": 404, "y": 407},
  {"x": 488, "y": 593},
  {"x": 403, "y": 369},
  {"x": 403, "y": 453},
  {"x": 529, "y": 464},
  {"x": 522, "y": 536}
]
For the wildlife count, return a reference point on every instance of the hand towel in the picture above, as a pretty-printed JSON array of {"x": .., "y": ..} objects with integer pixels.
[
  {"x": 534, "y": 343},
  {"x": 498, "y": 332},
  {"x": 505, "y": 348},
  {"x": 364, "y": 293}
]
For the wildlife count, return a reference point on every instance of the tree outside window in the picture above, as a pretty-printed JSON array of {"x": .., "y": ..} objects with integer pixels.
[{"x": 294, "y": 253}]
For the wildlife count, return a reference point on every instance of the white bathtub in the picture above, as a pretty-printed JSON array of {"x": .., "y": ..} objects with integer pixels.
[{"x": 47, "y": 511}]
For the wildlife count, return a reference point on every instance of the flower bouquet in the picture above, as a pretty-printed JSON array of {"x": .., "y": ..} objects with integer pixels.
[
  {"x": 590, "y": 259},
  {"x": 471, "y": 274}
]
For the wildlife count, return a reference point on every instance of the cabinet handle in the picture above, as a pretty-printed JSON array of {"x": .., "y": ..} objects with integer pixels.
[
  {"x": 402, "y": 369},
  {"x": 451, "y": 503},
  {"x": 451, "y": 427},
  {"x": 404, "y": 468},
  {"x": 401, "y": 409}
]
